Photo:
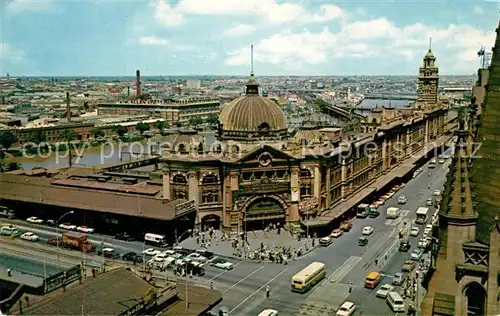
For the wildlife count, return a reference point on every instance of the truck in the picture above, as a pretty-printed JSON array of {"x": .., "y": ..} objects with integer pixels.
[
  {"x": 422, "y": 214},
  {"x": 73, "y": 240},
  {"x": 392, "y": 213}
]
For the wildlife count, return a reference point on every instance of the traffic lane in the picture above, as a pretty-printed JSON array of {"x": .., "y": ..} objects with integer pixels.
[
  {"x": 27, "y": 265},
  {"x": 97, "y": 239}
]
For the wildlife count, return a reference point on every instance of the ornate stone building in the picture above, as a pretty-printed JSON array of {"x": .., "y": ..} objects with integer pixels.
[
  {"x": 254, "y": 172},
  {"x": 467, "y": 276}
]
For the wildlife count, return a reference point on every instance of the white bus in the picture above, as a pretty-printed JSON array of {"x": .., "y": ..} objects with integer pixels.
[
  {"x": 422, "y": 215},
  {"x": 155, "y": 240},
  {"x": 308, "y": 277}
]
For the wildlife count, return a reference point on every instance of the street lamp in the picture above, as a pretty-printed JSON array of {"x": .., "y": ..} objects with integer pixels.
[
  {"x": 179, "y": 238},
  {"x": 187, "y": 304},
  {"x": 57, "y": 236}
]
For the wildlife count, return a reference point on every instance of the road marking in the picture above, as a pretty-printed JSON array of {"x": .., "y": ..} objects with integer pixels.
[
  {"x": 258, "y": 290},
  {"x": 344, "y": 269},
  {"x": 215, "y": 277},
  {"x": 243, "y": 279}
]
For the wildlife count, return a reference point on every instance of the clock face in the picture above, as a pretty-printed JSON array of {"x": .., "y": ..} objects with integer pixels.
[{"x": 265, "y": 159}]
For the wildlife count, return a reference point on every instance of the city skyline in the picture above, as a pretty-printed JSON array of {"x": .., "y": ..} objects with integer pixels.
[{"x": 187, "y": 37}]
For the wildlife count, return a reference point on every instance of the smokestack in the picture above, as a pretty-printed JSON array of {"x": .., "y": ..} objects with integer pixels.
[
  {"x": 68, "y": 108},
  {"x": 128, "y": 92},
  {"x": 138, "y": 83}
]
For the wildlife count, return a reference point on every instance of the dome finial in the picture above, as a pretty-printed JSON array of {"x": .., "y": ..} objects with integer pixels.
[
  {"x": 252, "y": 84},
  {"x": 251, "y": 60},
  {"x": 430, "y": 44}
]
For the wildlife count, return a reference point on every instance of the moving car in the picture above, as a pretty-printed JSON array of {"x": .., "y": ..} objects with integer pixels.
[
  {"x": 196, "y": 257},
  {"x": 221, "y": 263},
  {"x": 441, "y": 161},
  {"x": 362, "y": 241},
  {"x": 429, "y": 202},
  {"x": 416, "y": 254},
  {"x": 151, "y": 252},
  {"x": 398, "y": 279},
  {"x": 367, "y": 230},
  {"x": 414, "y": 231},
  {"x": 29, "y": 236},
  {"x": 325, "y": 241},
  {"x": 336, "y": 233},
  {"x": 124, "y": 236},
  {"x": 402, "y": 199},
  {"x": 372, "y": 280},
  {"x": 404, "y": 245},
  {"x": 384, "y": 290},
  {"x": 85, "y": 229},
  {"x": 34, "y": 220},
  {"x": 132, "y": 256},
  {"x": 346, "y": 309},
  {"x": 424, "y": 242},
  {"x": 269, "y": 312},
  {"x": 67, "y": 226},
  {"x": 109, "y": 253}
]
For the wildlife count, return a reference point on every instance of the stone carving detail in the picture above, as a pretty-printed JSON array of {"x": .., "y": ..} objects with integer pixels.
[{"x": 476, "y": 258}]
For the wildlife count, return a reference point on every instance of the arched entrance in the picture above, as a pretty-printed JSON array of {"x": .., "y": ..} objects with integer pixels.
[
  {"x": 210, "y": 220},
  {"x": 476, "y": 299},
  {"x": 262, "y": 212}
]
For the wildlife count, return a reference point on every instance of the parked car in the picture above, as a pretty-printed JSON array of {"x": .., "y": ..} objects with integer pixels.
[
  {"x": 398, "y": 279},
  {"x": 416, "y": 254},
  {"x": 424, "y": 242},
  {"x": 436, "y": 193},
  {"x": 67, "y": 226},
  {"x": 325, "y": 241},
  {"x": 409, "y": 265},
  {"x": 34, "y": 220},
  {"x": 29, "y": 236},
  {"x": 196, "y": 257},
  {"x": 384, "y": 290},
  {"x": 221, "y": 263},
  {"x": 336, "y": 233},
  {"x": 151, "y": 252},
  {"x": 346, "y": 309},
  {"x": 367, "y": 230},
  {"x": 414, "y": 231},
  {"x": 85, "y": 229},
  {"x": 124, "y": 236},
  {"x": 404, "y": 245},
  {"x": 109, "y": 253},
  {"x": 429, "y": 202}
]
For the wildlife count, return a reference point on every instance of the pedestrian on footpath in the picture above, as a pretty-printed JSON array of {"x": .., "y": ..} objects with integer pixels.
[
  {"x": 268, "y": 291},
  {"x": 350, "y": 287},
  {"x": 212, "y": 286}
]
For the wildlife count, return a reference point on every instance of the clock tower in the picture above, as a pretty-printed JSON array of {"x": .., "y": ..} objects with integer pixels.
[{"x": 428, "y": 79}]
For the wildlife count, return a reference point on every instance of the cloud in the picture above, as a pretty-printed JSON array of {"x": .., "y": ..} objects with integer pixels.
[
  {"x": 239, "y": 30},
  {"x": 153, "y": 40},
  {"x": 375, "y": 37},
  {"x": 478, "y": 10},
  {"x": 11, "y": 54},
  {"x": 269, "y": 11},
  {"x": 22, "y": 6}
]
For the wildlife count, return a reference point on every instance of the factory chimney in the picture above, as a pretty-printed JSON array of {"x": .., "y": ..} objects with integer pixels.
[
  {"x": 138, "y": 83},
  {"x": 68, "y": 108}
]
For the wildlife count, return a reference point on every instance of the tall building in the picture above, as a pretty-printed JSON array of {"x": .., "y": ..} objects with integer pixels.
[
  {"x": 428, "y": 80},
  {"x": 467, "y": 279}
]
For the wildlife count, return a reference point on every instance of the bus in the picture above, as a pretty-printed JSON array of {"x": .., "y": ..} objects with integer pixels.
[
  {"x": 155, "y": 240},
  {"x": 422, "y": 215},
  {"x": 308, "y": 277}
]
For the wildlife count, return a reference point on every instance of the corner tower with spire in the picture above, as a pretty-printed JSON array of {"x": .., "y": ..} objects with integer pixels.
[{"x": 428, "y": 80}]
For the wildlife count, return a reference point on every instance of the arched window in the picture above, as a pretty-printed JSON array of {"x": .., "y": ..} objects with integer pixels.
[
  {"x": 305, "y": 173},
  {"x": 476, "y": 299},
  {"x": 210, "y": 179},
  {"x": 179, "y": 179},
  {"x": 264, "y": 127},
  {"x": 181, "y": 148}
]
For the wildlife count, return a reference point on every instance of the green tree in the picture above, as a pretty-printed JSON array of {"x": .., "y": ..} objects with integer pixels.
[
  {"x": 13, "y": 166},
  {"x": 35, "y": 137},
  {"x": 142, "y": 127},
  {"x": 213, "y": 119},
  {"x": 97, "y": 132},
  {"x": 178, "y": 124},
  {"x": 195, "y": 121},
  {"x": 119, "y": 130},
  {"x": 161, "y": 125},
  {"x": 7, "y": 139}
]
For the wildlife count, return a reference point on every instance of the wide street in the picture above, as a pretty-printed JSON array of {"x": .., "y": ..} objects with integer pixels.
[{"x": 244, "y": 287}]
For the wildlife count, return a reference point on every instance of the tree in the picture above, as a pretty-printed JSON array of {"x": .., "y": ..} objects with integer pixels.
[
  {"x": 178, "y": 124},
  {"x": 120, "y": 130},
  {"x": 97, "y": 132},
  {"x": 35, "y": 137},
  {"x": 13, "y": 166},
  {"x": 68, "y": 135},
  {"x": 7, "y": 139},
  {"x": 161, "y": 125},
  {"x": 195, "y": 121},
  {"x": 213, "y": 119},
  {"x": 142, "y": 127}
]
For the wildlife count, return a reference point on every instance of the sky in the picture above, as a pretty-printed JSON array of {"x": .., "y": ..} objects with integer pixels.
[{"x": 213, "y": 37}]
